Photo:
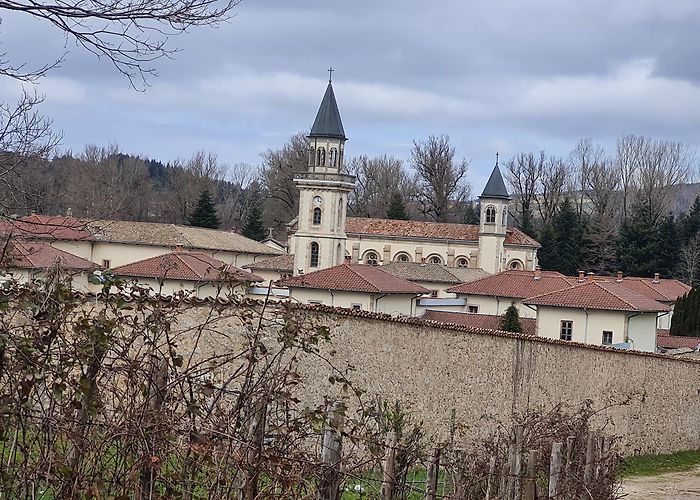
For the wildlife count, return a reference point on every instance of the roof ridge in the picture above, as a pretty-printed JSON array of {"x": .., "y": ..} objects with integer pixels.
[
  {"x": 178, "y": 255},
  {"x": 177, "y": 228},
  {"x": 577, "y": 285},
  {"x": 611, "y": 292},
  {"x": 362, "y": 277}
]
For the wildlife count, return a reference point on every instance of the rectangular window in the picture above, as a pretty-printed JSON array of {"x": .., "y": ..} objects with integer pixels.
[
  {"x": 106, "y": 263},
  {"x": 434, "y": 294},
  {"x": 607, "y": 337},
  {"x": 356, "y": 307},
  {"x": 567, "y": 330},
  {"x": 473, "y": 309}
]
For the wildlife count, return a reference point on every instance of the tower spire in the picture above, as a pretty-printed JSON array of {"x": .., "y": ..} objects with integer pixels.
[{"x": 330, "y": 74}]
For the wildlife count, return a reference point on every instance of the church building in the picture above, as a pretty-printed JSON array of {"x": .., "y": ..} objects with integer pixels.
[{"x": 323, "y": 236}]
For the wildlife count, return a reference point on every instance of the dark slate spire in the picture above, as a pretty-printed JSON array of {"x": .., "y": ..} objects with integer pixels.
[
  {"x": 327, "y": 122},
  {"x": 495, "y": 187}
]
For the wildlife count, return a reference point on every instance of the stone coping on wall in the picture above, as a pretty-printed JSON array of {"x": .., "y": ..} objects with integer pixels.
[{"x": 138, "y": 296}]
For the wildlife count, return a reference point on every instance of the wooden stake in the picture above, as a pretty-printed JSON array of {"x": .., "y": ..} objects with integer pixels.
[
  {"x": 530, "y": 485},
  {"x": 555, "y": 470},
  {"x": 388, "y": 481},
  {"x": 490, "y": 479},
  {"x": 517, "y": 466},
  {"x": 431, "y": 482},
  {"x": 331, "y": 456}
]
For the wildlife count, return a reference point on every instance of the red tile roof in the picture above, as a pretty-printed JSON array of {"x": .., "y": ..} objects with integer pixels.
[
  {"x": 598, "y": 295},
  {"x": 514, "y": 284},
  {"x": 47, "y": 227},
  {"x": 354, "y": 278},
  {"x": 282, "y": 263},
  {"x": 667, "y": 341},
  {"x": 36, "y": 255},
  {"x": 423, "y": 229},
  {"x": 663, "y": 290},
  {"x": 492, "y": 322},
  {"x": 188, "y": 266}
]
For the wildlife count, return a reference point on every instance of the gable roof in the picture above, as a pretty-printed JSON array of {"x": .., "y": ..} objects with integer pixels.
[
  {"x": 495, "y": 187},
  {"x": 665, "y": 340},
  {"x": 133, "y": 232},
  {"x": 428, "y": 230},
  {"x": 187, "y": 266},
  {"x": 436, "y": 273},
  {"x": 514, "y": 284},
  {"x": 489, "y": 321},
  {"x": 598, "y": 295},
  {"x": 39, "y": 255},
  {"x": 283, "y": 263},
  {"x": 328, "y": 122},
  {"x": 355, "y": 278},
  {"x": 663, "y": 290}
]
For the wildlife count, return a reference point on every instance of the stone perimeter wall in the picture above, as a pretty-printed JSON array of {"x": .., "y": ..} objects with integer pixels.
[{"x": 486, "y": 377}]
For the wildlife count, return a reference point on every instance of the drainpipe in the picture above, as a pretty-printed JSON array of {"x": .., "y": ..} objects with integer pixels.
[
  {"x": 585, "y": 331},
  {"x": 376, "y": 301},
  {"x": 332, "y": 297},
  {"x": 498, "y": 305},
  {"x": 414, "y": 308},
  {"x": 627, "y": 328}
]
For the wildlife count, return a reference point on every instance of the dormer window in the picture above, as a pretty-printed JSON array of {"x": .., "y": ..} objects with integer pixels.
[
  {"x": 317, "y": 216},
  {"x": 490, "y": 215}
]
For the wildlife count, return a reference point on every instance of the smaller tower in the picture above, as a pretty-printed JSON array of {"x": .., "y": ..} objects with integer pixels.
[
  {"x": 319, "y": 241},
  {"x": 494, "y": 222}
]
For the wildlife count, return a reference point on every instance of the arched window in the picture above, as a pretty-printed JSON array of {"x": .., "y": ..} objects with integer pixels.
[
  {"x": 490, "y": 215},
  {"x": 504, "y": 218},
  {"x": 462, "y": 262},
  {"x": 333, "y": 157},
  {"x": 402, "y": 257},
  {"x": 515, "y": 265},
  {"x": 434, "y": 259},
  {"x": 371, "y": 258},
  {"x": 312, "y": 156},
  {"x": 317, "y": 216},
  {"x": 321, "y": 157},
  {"x": 313, "y": 261},
  {"x": 339, "y": 219}
]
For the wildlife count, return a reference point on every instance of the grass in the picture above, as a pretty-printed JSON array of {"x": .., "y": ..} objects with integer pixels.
[{"x": 652, "y": 465}]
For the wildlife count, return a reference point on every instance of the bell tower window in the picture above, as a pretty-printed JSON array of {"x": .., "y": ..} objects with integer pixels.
[
  {"x": 321, "y": 157},
  {"x": 490, "y": 215},
  {"x": 317, "y": 216},
  {"x": 313, "y": 260},
  {"x": 312, "y": 156},
  {"x": 333, "y": 157}
]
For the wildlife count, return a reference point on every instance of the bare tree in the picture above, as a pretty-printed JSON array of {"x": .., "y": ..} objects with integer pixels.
[
  {"x": 131, "y": 34},
  {"x": 441, "y": 181},
  {"x": 523, "y": 174},
  {"x": 552, "y": 186},
  {"x": 582, "y": 159},
  {"x": 234, "y": 194},
  {"x": 602, "y": 184},
  {"x": 377, "y": 179},
  {"x": 187, "y": 179},
  {"x": 689, "y": 264}
]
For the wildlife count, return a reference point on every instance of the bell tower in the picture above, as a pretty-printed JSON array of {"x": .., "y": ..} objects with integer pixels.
[
  {"x": 493, "y": 223},
  {"x": 319, "y": 241}
]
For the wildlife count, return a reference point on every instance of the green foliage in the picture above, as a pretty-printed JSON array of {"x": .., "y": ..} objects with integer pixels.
[
  {"x": 204, "y": 213},
  {"x": 637, "y": 243},
  {"x": 689, "y": 224},
  {"x": 397, "y": 208},
  {"x": 598, "y": 247},
  {"x": 667, "y": 248},
  {"x": 686, "y": 315},
  {"x": 562, "y": 241},
  {"x": 510, "y": 321},
  {"x": 653, "y": 465},
  {"x": 527, "y": 224},
  {"x": 471, "y": 213},
  {"x": 254, "y": 226}
]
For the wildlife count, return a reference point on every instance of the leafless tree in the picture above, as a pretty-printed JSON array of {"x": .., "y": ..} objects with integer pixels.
[
  {"x": 131, "y": 34},
  {"x": 277, "y": 176},
  {"x": 602, "y": 185},
  {"x": 523, "y": 174},
  {"x": 377, "y": 179},
  {"x": 188, "y": 179},
  {"x": 441, "y": 180},
  {"x": 582, "y": 159},
  {"x": 234, "y": 195},
  {"x": 552, "y": 186},
  {"x": 689, "y": 264}
]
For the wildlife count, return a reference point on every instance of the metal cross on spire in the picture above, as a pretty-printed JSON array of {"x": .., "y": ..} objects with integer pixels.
[
  {"x": 330, "y": 74},
  {"x": 496, "y": 158}
]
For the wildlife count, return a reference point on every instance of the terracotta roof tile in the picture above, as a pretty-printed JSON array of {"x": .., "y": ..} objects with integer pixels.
[
  {"x": 188, "y": 266},
  {"x": 664, "y": 290},
  {"x": 282, "y": 263},
  {"x": 667, "y": 341},
  {"x": 46, "y": 227},
  {"x": 598, "y": 295},
  {"x": 37, "y": 255},
  {"x": 492, "y": 322},
  {"x": 514, "y": 284},
  {"x": 355, "y": 278},
  {"x": 431, "y": 230}
]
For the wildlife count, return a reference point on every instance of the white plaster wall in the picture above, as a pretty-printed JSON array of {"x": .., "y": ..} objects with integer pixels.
[{"x": 396, "y": 304}]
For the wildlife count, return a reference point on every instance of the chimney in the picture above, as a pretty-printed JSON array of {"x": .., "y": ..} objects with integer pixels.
[
  {"x": 422, "y": 261},
  {"x": 347, "y": 260},
  {"x": 178, "y": 248},
  {"x": 538, "y": 273},
  {"x": 619, "y": 276},
  {"x": 589, "y": 277},
  {"x": 657, "y": 276},
  {"x": 581, "y": 275}
]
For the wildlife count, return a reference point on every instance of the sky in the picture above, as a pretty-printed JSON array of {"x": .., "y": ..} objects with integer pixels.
[{"x": 501, "y": 76}]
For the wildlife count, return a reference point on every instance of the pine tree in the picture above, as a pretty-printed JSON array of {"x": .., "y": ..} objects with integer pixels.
[
  {"x": 548, "y": 254},
  {"x": 471, "y": 213},
  {"x": 397, "y": 208},
  {"x": 254, "y": 227},
  {"x": 569, "y": 238},
  {"x": 689, "y": 224},
  {"x": 686, "y": 315},
  {"x": 204, "y": 213},
  {"x": 526, "y": 225},
  {"x": 636, "y": 245},
  {"x": 667, "y": 248},
  {"x": 598, "y": 252},
  {"x": 510, "y": 321}
]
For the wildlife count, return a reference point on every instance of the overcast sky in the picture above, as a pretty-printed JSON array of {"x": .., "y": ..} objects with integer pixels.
[{"x": 502, "y": 75}]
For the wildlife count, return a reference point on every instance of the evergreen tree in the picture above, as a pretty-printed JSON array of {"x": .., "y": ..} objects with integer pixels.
[
  {"x": 569, "y": 237},
  {"x": 598, "y": 252},
  {"x": 471, "y": 213},
  {"x": 254, "y": 226},
  {"x": 686, "y": 315},
  {"x": 526, "y": 225},
  {"x": 548, "y": 254},
  {"x": 637, "y": 242},
  {"x": 667, "y": 248},
  {"x": 204, "y": 213},
  {"x": 397, "y": 208},
  {"x": 510, "y": 321},
  {"x": 689, "y": 224}
]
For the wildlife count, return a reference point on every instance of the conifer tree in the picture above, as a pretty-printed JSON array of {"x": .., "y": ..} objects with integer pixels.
[
  {"x": 548, "y": 254},
  {"x": 254, "y": 227},
  {"x": 397, "y": 208},
  {"x": 204, "y": 213},
  {"x": 686, "y": 315},
  {"x": 510, "y": 321},
  {"x": 667, "y": 248},
  {"x": 637, "y": 242},
  {"x": 569, "y": 238},
  {"x": 689, "y": 225}
]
